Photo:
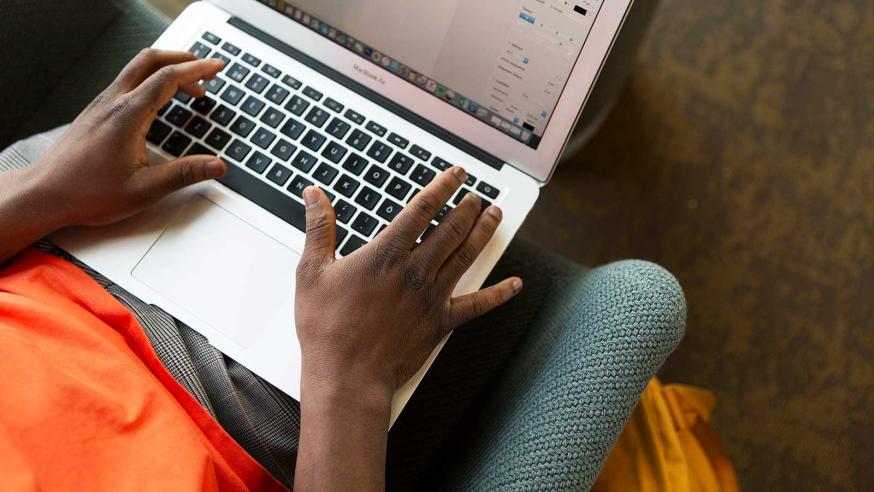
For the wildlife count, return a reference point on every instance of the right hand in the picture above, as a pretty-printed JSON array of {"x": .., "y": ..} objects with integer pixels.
[{"x": 368, "y": 322}]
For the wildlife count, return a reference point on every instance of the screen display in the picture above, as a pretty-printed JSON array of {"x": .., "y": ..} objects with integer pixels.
[{"x": 503, "y": 62}]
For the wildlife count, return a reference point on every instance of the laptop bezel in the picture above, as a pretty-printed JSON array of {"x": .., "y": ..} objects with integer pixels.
[{"x": 538, "y": 163}]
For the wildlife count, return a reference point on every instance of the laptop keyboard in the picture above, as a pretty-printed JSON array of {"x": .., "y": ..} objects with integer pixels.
[{"x": 279, "y": 135}]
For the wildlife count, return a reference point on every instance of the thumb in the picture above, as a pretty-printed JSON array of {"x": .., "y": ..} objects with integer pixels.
[
  {"x": 166, "y": 178},
  {"x": 321, "y": 226}
]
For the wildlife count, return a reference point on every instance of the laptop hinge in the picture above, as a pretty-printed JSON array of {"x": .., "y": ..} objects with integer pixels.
[{"x": 368, "y": 93}]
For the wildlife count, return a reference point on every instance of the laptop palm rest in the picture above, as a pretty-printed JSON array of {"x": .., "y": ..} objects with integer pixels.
[{"x": 203, "y": 251}]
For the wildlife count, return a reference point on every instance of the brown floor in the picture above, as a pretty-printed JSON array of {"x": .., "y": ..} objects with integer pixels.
[{"x": 741, "y": 157}]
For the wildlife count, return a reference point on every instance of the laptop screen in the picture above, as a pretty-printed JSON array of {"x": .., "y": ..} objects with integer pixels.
[{"x": 503, "y": 62}]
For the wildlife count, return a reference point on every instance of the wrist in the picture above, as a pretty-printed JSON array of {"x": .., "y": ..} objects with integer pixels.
[{"x": 36, "y": 193}]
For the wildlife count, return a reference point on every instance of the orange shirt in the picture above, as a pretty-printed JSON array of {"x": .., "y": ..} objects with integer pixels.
[{"x": 85, "y": 404}]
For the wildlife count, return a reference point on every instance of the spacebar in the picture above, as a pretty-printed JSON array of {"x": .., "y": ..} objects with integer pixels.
[{"x": 269, "y": 198}]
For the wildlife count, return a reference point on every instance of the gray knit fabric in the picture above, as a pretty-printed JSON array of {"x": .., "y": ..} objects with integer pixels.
[{"x": 530, "y": 396}]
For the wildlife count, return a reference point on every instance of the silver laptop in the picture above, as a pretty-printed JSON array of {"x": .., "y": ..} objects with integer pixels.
[{"x": 369, "y": 99}]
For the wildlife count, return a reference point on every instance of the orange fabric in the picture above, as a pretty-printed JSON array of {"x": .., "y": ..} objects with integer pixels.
[
  {"x": 668, "y": 446},
  {"x": 86, "y": 405}
]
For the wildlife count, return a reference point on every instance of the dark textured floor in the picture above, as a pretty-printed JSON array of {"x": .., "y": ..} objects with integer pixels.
[{"x": 741, "y": 157}]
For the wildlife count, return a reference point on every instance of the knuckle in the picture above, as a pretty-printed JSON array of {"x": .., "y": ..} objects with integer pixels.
[
  {"x": 414, "y": 278},
  {"x": 425, "y": 207},
  {"x": 455, "y": 229},
  {"x": 465, "y": 256},
  {"x": 147, "y": 53},
  {"x": 307, "y": 268},
  {"x": 385, "y": 254},
  {"x": 185, "y": 174},
  {"x": 167, "y": 74}
]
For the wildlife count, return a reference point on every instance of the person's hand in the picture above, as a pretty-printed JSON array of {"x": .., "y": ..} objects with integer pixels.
[
  {"x": 97, "y": 172},
  {"x": 372, "y": 318}
]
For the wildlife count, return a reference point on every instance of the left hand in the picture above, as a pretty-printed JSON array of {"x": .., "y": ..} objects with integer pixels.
[{"x": 98, "y": 173}]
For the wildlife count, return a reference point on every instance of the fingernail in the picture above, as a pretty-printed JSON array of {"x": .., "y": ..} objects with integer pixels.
[
  {"x": 459, "y": 173},
  {"x": 517, "y": 285},
  {"x": 215, "y": 168},
  {"x": 311, "y": 197},
  {"x": 495, "y": 212}
]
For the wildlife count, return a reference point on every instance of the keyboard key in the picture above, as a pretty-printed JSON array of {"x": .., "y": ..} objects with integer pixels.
[
  {"x": 471, "y": 180},
  {"x": 344, "y": 211},
  {"x": 257, "y": 83},
  {"x": 325, "y": 173},
  {"x": 263, "y": 138},
  {"x": 164, "y": 108},
  {"x": 312, "y": 93},
  {"x": 237, "y": 72},
  {"x": 238, "y": 150},
  {"x": 313, "y": 140},
  {"x": 398, "y": 140},
  {"x": 252, "y": 106},
  {"x": 367, "y": 198},
  {"x": 376, "y": 128},
  {"x": 231, "y": 49},
  {"x": 338, "y": 128},
  {"x": 298, "y": 185},
  {"x": 398, "y": 188},
  {"x": 279, "y": 174},
  {"x": 376, "y": 176},
  {"x": 223, "y": 115},
  {"x": 251, "y": 60},
  {"x": 291, "y": 82},
  {"x": 352, "y": 245},
  {"x": 388, "y": 210},
  {"x": 258, "y": 162},
  {"x": 400, "y": 163},
  {"x": 203, "y": 105},
  {"x": 420, "y": 153},
  {"x": 304, "y": 161},
  {"x": 215, "y": 85},
  {"x": 233, "y": 95},
  {"x": 334, "y": 152},
  {"x": 341, "y": 234},
  {"x": 333, "y": 105},
  {"x": 220, "y": 56},
  {"x": 158, "y": 132},
  {"x": 283, "y": 149},
  {"x": 379, "y": 151},
  {"x": 297, "y": 105},
  {"x": 198, "y": 127},
  {"x": 182, "y": 97},
  {"x": 364, "y": 224},
  {"x": 200, "y": 50},
  {"x": 176, "y": 144},
  {"x": 422, "y": 175},
  {"x": 217, "y": 139},
  {"x": 179, "y": 116},
  {"x": 198, "y": 149},
  {"x": 355, "y": 164},
  {"x": 317, "y": 117},
  {"x": 264, "y": 195},
  {"x": 243, "y": 126},
  {"x": 484, "y": 204},
  {"x": 277, "y": 94},
  {"x": 359, "y": 140},
  {"x": 271, "y": 70},
  {"x": 292, "y": 128},
  {"x": 211, "y": 38},
  {"x": 272, "y": 117},
  {"x": 440, "y": 164},
  {"x": 346, "y": 185},
  {"x": 354, "y": 117},
  {"x": 487, "y": 190}
]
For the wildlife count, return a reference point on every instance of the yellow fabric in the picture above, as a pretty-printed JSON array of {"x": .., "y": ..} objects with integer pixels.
[{"x": 667, "y": 445}]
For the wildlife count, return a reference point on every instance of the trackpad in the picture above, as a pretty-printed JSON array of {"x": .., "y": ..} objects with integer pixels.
[{"x": 222, "y": 270}]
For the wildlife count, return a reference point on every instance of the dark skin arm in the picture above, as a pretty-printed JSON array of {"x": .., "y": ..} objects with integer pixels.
[{"x": 97, "y": 172}]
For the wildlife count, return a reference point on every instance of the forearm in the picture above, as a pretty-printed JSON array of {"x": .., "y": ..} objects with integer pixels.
[
  {"x": 344, "y": 432},
  {"x": 27, "y": 212}
]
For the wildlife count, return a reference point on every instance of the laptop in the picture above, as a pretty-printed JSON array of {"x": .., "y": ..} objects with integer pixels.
[{"x": 368, "y": 99}]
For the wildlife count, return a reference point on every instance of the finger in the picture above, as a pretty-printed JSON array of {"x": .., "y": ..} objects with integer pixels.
[
  {"x": 163, "y": 179},
  {"x": 194, "y": 90},
  {"x": 463, "y": 257},
  {"x": 465, "y": 308},
  {"x": 409, "y": 224},
  {"x": 321, "y": 229},
  {"x": 147, "y": 62},
  {"x": 450, "y": 234},
  {"x": 152, "y": 94}
]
